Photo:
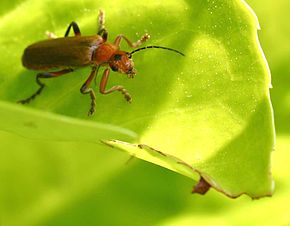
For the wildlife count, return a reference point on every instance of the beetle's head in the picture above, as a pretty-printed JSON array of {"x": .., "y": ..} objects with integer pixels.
[{"x": 121, "y": 62}]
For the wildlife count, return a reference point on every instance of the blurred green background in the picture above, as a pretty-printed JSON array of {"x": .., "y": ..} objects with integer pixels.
[{"x": 58, "y": 186}]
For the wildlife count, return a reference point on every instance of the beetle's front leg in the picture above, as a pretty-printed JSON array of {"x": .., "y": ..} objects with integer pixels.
[
  {"x": 102, "y": 30},
  {"x": 139, "y": 42},
  {"x": 101, "y": 21},
  {"x": 103, "y": 85},
  {"x": 86, "y": 90}
]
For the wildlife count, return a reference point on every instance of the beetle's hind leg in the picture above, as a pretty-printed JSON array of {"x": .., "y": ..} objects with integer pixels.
[
  {"x": 86, "y": 90},
  {"x": 75, "y": 27},
  {"x": 27, "y": 100},
  {"x": 42, "y": 85}
]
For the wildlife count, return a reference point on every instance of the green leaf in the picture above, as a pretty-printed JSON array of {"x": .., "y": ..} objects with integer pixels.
[
  {"x": 206, "y": 114},
  {"x": 48, "y": 126}
]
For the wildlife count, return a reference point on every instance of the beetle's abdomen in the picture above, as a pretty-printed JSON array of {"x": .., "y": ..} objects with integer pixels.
[{"x": 60, "y": 52}]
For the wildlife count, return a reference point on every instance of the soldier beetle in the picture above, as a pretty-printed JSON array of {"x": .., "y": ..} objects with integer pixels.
[{"x": 70, "y": 53}]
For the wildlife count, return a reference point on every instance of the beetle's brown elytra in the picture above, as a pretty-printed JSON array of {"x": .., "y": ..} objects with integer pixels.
[{"x": 69, "y": 53}]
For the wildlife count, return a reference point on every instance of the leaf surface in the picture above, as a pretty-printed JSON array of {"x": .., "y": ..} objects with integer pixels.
[{"x": 206, "y": 114}]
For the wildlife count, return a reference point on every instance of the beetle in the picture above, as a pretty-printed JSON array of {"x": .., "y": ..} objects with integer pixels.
[{"x": 69, "y": 53}]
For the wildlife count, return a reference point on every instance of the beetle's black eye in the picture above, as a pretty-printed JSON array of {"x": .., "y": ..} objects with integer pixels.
[
  {"x": 129, "y": 55},
  {"x": 114, "y": 68},
  {"x": 117, "y": 57}
]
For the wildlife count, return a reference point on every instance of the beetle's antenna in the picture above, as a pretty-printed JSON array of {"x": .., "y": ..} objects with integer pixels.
[{"x": 159, "y": 47}]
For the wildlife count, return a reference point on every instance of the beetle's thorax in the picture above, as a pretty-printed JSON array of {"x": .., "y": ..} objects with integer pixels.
[{"x": 103, "y": 53}]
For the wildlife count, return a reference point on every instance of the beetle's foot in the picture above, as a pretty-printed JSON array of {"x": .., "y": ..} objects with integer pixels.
[
  {"x": 124, "y": 92},
  {"x": 145, "y": 37},
  {"x": 27, "y": 100},
  {"x": 126, "y": 95},
  {"x": 101, "y": 20},
  {"x": 130, "y": 75},
  {"x": 91, "y": 111},
  {"x": 50, "y": 35},
  {"x": 128, "y": 98},
  {"x": 93, "y": 108}
]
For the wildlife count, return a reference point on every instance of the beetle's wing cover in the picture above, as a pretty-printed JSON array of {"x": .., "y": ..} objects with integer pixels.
[{"x": 61, "y": 52}]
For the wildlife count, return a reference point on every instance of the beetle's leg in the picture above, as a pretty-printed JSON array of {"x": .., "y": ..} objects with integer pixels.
[
  {"x": 86, "y": 90},
  {"x": 42, "y": 85},
  {"x": 102, "y": 30},
  {"x": 95, "y": 79},
  {"x": 101, "y": 20},
  {"x": 75, "y": 28},
  {"x": 103, "y": 85},
  {"x": 50, "y": 35},
  {"x": 139, "y": 42},
  {"x": 104, "y": 34}
]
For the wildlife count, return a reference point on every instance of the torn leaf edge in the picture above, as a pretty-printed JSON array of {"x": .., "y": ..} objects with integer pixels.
[{"x": 205, "y": 181}]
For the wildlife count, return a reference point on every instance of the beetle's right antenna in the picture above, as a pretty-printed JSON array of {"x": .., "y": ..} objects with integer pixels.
[{"x": 157, "y": 47}]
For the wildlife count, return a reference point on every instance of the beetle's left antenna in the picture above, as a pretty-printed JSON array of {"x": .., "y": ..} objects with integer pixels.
[{"x": 157, "y": 47}]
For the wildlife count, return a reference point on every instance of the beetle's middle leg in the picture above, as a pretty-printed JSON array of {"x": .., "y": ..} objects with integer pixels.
[
  {"x": 103, "y": 85},
  {"x": 42, "y": 85},
  {"x": 86, "y": 90}
]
